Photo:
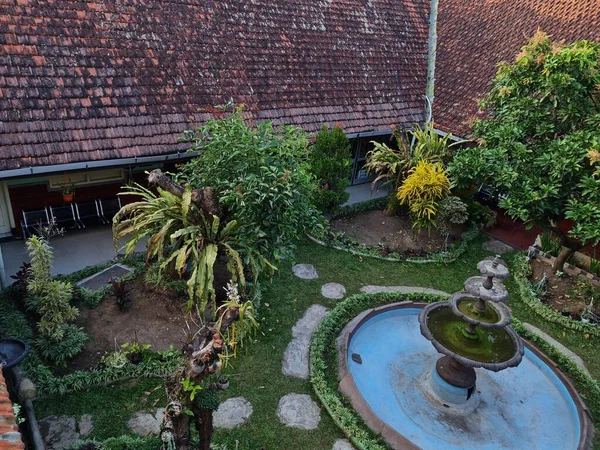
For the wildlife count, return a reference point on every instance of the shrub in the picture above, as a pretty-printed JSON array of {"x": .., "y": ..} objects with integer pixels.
[
  {"x": 452, "y": 211},
  {"x": 60, "y": 351},
  {"x": 331, "y": 165},
  {"x": 549, "y": 244},
  {"x": 425, "y": 186},
  {"x": 480, "y": 215},
  {"x": 120, "y": 291},
  {"x": 261, "y": 177}
]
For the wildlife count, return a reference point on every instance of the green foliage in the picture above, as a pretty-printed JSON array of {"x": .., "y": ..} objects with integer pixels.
[
  {"x": 479, "y": 214},
  {"x": 549, "y": 244},
  {"x": 119, "y": 443},
  {"x": 331, "y": 165},
  {"x": 180, "y": 233},
  {"x": 49, "y": 298},
  {"x": 261, "y": 176},
  {"x": 208, "y": 399},
  {"x": 539, "y": 141},
  {"x": 430, "y": 146},
  {"x": 426, "y": 184},
  {"x": 595, "y": 266},
  {"x": 452, "y": 211},
  {"x": 90, "y": 298},
  {"x": 71, "y": 344},
  {"x": 191, "y": 387}
]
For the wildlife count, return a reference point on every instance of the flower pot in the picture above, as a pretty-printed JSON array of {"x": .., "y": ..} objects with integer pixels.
[
  {"x": 222, "y": 384},
  {"x": 68, "y": 198},
  {"x": 135, "y": 358}
]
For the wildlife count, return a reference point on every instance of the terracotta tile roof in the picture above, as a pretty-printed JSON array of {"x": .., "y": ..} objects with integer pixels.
[
  {"x": 92, "y": 80},
  {"x": 10, "y": 438},
  {"x": 475, "y": 35}
]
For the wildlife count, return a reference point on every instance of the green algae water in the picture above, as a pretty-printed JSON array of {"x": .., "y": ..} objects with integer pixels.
[
  {"x": 490, "y": 346},
  {"x": 467, "y": 307}
]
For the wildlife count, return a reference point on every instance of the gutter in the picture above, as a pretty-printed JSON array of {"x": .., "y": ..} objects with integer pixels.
[
  {"x": 42, "y": 170},
  {"x": 368, "y": 134}
]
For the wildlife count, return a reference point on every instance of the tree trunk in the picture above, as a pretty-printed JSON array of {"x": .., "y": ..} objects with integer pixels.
[
  {"x": 204, "y": 423},
  {"x": 561, "y": 259}
]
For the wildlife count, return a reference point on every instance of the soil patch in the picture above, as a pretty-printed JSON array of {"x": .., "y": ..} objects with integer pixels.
[
  {"x": 565, "y": 294},
  {"x": 155, "y": 314},
  {"x": 395, "y": 233}
]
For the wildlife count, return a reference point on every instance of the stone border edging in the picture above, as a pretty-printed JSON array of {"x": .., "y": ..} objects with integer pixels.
[
  {"x": 539, "y": 308},
  {"x": 569, "y": 268},
  {"x": 351, "y": 423}
]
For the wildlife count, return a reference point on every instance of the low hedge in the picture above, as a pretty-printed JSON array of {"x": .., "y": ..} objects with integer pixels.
[
  {"x": 520, "y": 268},
  {"x": 323, "y": 365}
]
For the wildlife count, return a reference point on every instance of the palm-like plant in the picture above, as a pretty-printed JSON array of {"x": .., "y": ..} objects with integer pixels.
[{"x": 180, "y": 233}]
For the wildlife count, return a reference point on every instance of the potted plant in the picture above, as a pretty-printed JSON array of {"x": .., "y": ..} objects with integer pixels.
[
  {"x": 68, "y": 191},
  {"x": 135, "y": 351},
  {"x": 222, "y": 383}
]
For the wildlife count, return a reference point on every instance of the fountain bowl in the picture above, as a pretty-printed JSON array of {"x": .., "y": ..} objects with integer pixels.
[{"x": 12, "y": 352}]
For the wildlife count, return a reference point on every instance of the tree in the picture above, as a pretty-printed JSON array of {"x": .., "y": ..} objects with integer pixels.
[
  {"x": 232, "y": 208},
  {"x": 538, "y": 138}
]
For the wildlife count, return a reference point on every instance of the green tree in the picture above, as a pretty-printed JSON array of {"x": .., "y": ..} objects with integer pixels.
[
  {"x": 331, "y": 165},
  {"x": 537, "y": 140}
]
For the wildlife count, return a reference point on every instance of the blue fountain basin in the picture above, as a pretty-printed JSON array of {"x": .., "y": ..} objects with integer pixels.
[{"x": 526, "y": 407}]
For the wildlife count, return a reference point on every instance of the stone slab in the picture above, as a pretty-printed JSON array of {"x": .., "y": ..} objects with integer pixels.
[
  {"x": 333, "y": 291},
  {"x": 102, "y": 278},
  {"x": 560, "y": 347},
  {"x": 232, "y": 412},
  {"x": 498, "y": 247},
  {"x": 373, "y": 289},
  {"x": 59, "y": 432},
  {"x": 342, "y": 444},
  {"x": 305, "y": 271},
  {"x": 299, "y": 411},
  {"x": 295, "y": 357},
  {"x": 146, "y": 424}
]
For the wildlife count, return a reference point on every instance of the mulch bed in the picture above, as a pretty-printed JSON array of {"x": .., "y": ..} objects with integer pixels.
[
  {"x": 565, "y": 294},
  {"x": 156, "y": 316},
  {"x": 395, "y": 233}
]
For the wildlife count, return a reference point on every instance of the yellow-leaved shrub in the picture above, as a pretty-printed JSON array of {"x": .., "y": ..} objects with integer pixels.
[{"x": 426, "y": 184}]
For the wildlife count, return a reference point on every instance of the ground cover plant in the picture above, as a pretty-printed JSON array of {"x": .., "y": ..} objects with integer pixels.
[
  {"x": 539, "y": 139},
  {"x": 256, "y": 373}
]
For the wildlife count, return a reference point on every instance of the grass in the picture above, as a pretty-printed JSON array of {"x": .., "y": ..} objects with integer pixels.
[{"x": 256, "y": 374}]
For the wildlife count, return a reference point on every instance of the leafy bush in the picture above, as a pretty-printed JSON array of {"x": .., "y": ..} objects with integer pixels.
[
  {"x": 331, "y": 165},
  {"x": 480, "y": 215},
  {"x": 72, "y": 342},
  {"x": 90, "y": 298},
  {"x": 549, "y": 244},
  {"x": 452, "y": 211},
  {"x": 120, "y": 443},
  {"x": 261, "y": 176},
  {"x": 425, "y": 186},
  {"x": 120, "y": 292},
  {"x": 539, "y": 139}
]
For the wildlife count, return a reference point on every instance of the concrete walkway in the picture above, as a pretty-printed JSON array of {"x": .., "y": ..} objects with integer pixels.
[
  {"x": 362, "y": 193},
  {"x": 74, "y": 251}
]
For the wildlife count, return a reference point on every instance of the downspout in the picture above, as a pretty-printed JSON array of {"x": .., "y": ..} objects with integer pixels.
[{"x": 431, "y": 57}]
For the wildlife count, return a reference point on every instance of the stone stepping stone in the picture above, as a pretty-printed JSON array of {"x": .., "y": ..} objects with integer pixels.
[
  {"x": 146, "y": 424},
  {"x": 305, "y": 271},
  {"x": 62, "y": 432},
  {"x": 561, "y": 348},
  {"x": 299, "y": 411},
  {"x": 372, "y": 289},
  {"x": 295, "y": 357},
  {"x": 333, "y": 290},
  {"x": 342, "y": 444},
  {"x": 497, "y": 247},
  {"x": 232, "y": 413}
]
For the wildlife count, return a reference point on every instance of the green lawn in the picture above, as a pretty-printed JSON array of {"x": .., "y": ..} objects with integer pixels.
[{"x": 256, "y": 373}]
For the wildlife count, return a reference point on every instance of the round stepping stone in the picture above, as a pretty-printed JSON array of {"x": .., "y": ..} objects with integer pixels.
[
  {"x": 497, "y": 247},
  {"x": 299, "y": 411},
  {"x": 86, "y": 425},
  {"x": 333, "y": 290},
  {"x": 342, "y": 444},
  {"x": 146, "y": 424},
  {"x": 232, "y": 413},
  {"x": 305, "y": 271}
]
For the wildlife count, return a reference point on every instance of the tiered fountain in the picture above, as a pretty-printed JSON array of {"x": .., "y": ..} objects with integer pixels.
[
  {"x": 488, "y": 390},
  {"x": 471, "y": 331}
]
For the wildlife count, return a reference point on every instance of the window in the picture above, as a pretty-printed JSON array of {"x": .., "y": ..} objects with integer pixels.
[{"x": 87, "y": 178}]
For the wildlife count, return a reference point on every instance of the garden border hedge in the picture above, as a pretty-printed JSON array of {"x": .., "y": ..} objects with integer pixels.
[
  {"x": 453, "y": 252},
  {"x": 324, "y": 374},
  {"x": 519, "y": 269}
]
